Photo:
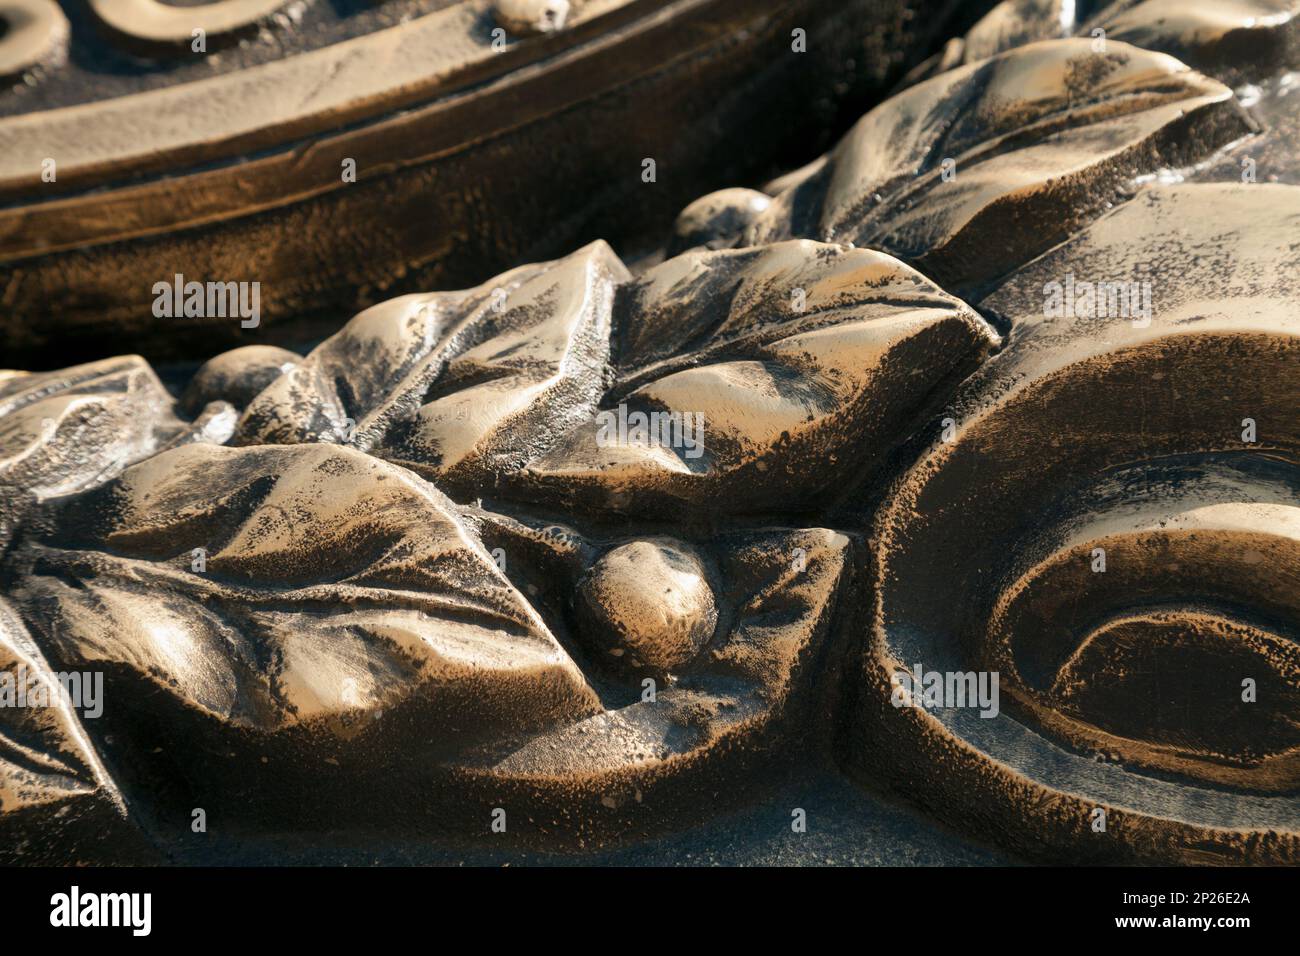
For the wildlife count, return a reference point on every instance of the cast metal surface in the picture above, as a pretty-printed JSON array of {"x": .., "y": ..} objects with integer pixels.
[
  {"x": 345, "y": 152},
  {"x": 592, "y": 543}
]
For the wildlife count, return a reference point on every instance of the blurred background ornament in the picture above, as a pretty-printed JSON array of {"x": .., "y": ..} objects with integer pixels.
[{"x": 343, "y": 152}]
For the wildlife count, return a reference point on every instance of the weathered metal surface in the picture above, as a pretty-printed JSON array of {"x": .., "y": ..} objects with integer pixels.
[
  {"x": 999, "y": 390},
  {"x": 341, "y": 153}
]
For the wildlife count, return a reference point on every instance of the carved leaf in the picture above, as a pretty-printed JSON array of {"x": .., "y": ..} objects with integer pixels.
[
  {"x": 789, "y": 368},
  {"x": 457, "y": 384},
  {"x": 65, "y": 431},
  {"x": 331, "y": 583},
  {"x": 975, "y": 171},
  {"x": 755, "y": 673},
  {"x": 44, "y": 755},
  {"x": 68, "y": 430}
]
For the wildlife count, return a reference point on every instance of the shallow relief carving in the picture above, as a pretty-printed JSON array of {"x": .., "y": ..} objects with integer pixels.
[
  {"x": 476, "y": 551},
  {"x": 398, "y": 145}
]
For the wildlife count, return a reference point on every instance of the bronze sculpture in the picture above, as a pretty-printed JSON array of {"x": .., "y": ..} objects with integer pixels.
[{"x": 1002, "y": 384}]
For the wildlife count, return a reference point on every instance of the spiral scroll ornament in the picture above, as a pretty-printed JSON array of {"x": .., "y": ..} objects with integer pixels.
[{"x": 1112, "y": 527}]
